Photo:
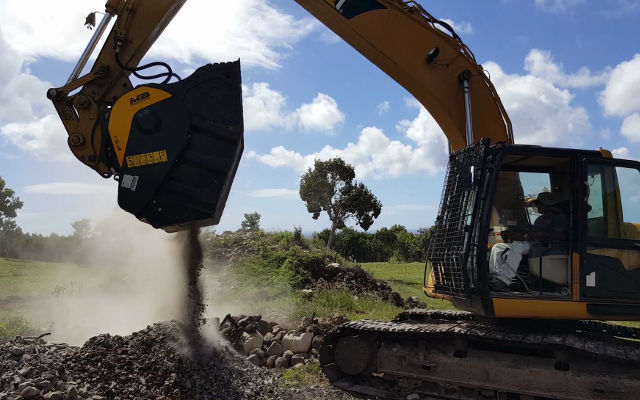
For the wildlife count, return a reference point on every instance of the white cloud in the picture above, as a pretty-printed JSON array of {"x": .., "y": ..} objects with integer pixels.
[
  {"x": 44, "y": 138},
  {"x": 539, "y": 63},
  {"x": 621, "y": 152},
  {"x": 203, "y": 30},
  {"x": 275, "y": 192},
  {"x": 383, "y": 107},
  {"x": 27, "y": 117},
  {"x": 322, "y": 114},
  {"x": 631, "y": 128},
  {"x": 461, "y": 28},
  {"x": 374, "y": 154},
  {"x": 620, "y": 95},
  {"x": 541, "y": 113},
  {"x": 266, "y": 109},
  {"x": 70, "y": 188},
  {"x": 557, "y": 6}
]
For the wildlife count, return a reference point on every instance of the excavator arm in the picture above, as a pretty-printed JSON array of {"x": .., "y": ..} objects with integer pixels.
[
  {"x": 173, "y": 147},
  {"x": 426, "y": 57}
]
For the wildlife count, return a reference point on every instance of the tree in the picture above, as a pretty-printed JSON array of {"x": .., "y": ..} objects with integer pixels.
[
  {"x": 9, "y": 230},
  {"x": 330, "y": 187},
  {"x": 81, "y": 228},
  {"x": 251, "y": 222}
]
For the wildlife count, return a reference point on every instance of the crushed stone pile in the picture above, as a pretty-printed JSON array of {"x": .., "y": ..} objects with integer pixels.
[
  {"x": 149, "y": 364},
  {"x": 267, "y": 344}
]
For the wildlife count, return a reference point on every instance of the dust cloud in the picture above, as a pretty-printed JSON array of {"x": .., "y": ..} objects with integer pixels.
[{"x": 135, "y": 276}]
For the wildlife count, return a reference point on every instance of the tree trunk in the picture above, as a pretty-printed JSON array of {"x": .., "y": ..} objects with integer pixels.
[{"x": 334, "y": 224}]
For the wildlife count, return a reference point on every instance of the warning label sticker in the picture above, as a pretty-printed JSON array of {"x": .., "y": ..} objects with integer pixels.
[{"x": 143, "y": 159}]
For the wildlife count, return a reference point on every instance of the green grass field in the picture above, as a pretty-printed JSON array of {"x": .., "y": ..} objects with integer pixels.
[
  {"x": 24, "y": 283},
  {"x": 406, "y": 279}
]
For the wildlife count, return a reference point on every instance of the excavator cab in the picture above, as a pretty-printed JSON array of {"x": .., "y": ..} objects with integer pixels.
[{"x": 564, "y": 223}]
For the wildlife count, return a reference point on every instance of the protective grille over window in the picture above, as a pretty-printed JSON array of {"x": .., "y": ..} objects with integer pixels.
[{"x": 453, "y": 239}]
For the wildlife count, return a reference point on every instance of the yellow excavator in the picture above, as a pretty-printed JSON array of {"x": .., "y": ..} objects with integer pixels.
[{"x": 530, "y": 299}]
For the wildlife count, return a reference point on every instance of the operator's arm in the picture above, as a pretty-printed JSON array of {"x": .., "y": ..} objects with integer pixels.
[{"x": 404, "y": 41}]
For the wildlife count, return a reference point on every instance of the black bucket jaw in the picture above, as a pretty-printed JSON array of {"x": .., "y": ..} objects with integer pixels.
[{"x": 185, "y": 140}]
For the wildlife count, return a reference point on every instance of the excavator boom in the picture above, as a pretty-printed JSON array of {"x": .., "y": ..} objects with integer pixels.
[{"x": 426, "y": 57}]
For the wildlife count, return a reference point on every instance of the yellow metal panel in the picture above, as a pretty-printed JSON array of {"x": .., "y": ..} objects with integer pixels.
[
  {"x": 575, "y": 273},
  {"x": 122, "y": 117},
  {"x": 541, "y": 309}
]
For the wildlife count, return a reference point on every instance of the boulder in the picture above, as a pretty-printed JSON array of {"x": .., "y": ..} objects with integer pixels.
[
  {"x": 318, "y": 341},
  {"x": 280, "y": 335},
  {"x": 281, "y": 362},
  {"x": 256, "y": 360},
  {"x": 276, "y": 349},
  {"x": 297, "y": 343},
  {"x": 271, "y": 361},
  {"x": 251, "y": 341},
  {"x": 268, "y": 338},
  {"x": 297, "y": 359},
  {"x": 251, "y": 328},
  {"x": 30, "y": 392}
]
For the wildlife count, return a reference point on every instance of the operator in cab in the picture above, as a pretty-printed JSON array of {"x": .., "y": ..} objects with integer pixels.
[{"x": 550, "y": 229}]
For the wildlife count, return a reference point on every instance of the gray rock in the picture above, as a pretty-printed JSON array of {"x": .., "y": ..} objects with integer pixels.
[
  {"x": 54, "y": 396},
  {"x": 317, "y": 342},
  {"x": 276, "y": 349},
  {"x": 280, "y": 335},
  {"x": 271, "y": 361},
  {"x": 30, "y": 392},
  {"x": 297, "y": 359},
  {"x": 268, "y": 338},
  {"x": 264, "y": 327},
  {"x": 25, "y": 384},
  {"x": 45, "y": 385},
  {"x": 282, "y": 362},
  {"x": 298, "y": 343},
  {"x": 72, "y": 393},
  {"x": 288, "y": 354},
  {"x": 250, "y": 328},
  {"x": 256, "y": 360},
  {"x": 16, "y": 351},
  {"x": 251, "y": 341}
]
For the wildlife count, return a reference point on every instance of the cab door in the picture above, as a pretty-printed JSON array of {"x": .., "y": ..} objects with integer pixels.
[{"x": 610, "y": 230}]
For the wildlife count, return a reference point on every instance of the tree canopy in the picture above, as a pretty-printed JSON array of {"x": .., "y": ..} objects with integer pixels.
[
  {"x": 9, "y": 230},
  {"x": 9, "y": 203},
  {"x": 251, "y": 222},
  {"x": 330, "y": 187}
]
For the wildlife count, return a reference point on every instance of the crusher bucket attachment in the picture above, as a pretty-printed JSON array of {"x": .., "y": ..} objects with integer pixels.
[{"x": 178, "y": 146}]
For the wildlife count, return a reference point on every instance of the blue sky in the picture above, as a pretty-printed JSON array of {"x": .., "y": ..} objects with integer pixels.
[{"x": 568, "y": 72}]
